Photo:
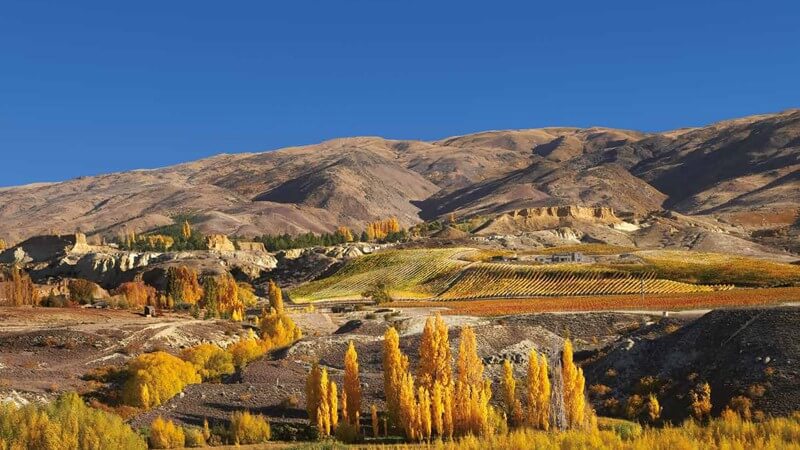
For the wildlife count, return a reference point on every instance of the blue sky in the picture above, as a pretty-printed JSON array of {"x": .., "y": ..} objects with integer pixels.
[{"x": 94, "y": 87}]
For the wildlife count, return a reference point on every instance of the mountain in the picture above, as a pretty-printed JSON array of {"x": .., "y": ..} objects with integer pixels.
[{"x": 743, "y": 172}]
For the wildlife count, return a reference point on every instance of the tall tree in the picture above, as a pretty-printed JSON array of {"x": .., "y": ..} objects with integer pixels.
[
  {"x": 470, "y": 366},
  {"x": 186, "y": 230},
  {"x": 512, "y": 403},
  {"x": 275, "y": 297},
  {"x": 352, "y": 384},
  {"x": 434, "y": 353},
  {"x": 574, "y": 389},
  {"x": 538, "y": 392},
  {"x": 395, "y": 366}
]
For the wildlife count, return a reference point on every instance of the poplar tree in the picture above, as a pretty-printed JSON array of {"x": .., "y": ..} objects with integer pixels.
[
  {"x": 512, "y": 404},
  {"x": 538, "y": 392},
  {"x": 186, "y": 230},
  {"x": 574, "y": 384},
  {"x": 275, "y": 297},
  {"x": 434, "y": 353},
  {"x": 395, "y": 366},
  {"x": 352, "y": 385}
]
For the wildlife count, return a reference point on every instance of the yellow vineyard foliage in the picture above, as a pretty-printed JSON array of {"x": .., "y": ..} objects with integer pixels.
[{"x": 154, "y": 378}]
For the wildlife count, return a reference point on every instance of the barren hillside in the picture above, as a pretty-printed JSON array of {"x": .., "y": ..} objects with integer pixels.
[{"x": 744, "y": 172}]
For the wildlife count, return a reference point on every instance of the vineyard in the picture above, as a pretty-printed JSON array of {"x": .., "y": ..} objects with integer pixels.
[
  {"x": 408, "y": 274},
  {"x": 488, "y": 280},
  {"x": 455, "y": 274},
  {"x": 631, "y": 302}
]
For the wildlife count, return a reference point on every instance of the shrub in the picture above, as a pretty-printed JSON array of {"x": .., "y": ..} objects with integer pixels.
[
  {"x": 164, "y": 434},
  {"x": 278, "y": 329},
  {"x": 246, "y": 350},
  {"x": 137, "y": 294},
  {"x": 247, "y": 296},
  {"x": 65, "y": 423},
  {"x": 154, "y": 378},
  {"x": 742, "y": 406},
  {"x": 82, "y": 291},
  {"x": 246, "y": 428},
  {"x": 211, "y": 361},
  {"x": 194, "y": 437}
]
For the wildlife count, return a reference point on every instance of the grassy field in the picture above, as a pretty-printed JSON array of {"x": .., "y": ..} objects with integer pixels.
[
  {"x": 658, "y": 302},
  {"x": 463, "y": 273}
]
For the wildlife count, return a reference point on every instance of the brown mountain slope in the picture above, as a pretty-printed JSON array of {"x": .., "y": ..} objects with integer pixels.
[{"x": 744, "y": 171}]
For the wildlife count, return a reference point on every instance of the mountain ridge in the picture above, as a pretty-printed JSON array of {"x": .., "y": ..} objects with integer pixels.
[{"x": 729, "y": 169}]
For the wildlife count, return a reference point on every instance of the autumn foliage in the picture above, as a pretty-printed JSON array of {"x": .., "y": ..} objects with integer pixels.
[
  {"x": 352, "y": 387},
  {"x": 137, "y": 293},
  {"x": 539, "y": 392},
  {"x": 381, "y": 229},
  {"x": 18, "y": 289},
  {"x": 154, "y": 378},
  {"x": 221, "y": 295},
  {"x": 183, "y": 286},
  {"x": 246, "y": 428},
  {"x": 165, "y": 434},
  {"x": 65, "y": 423},
  {"x": 210, "y": 361}
]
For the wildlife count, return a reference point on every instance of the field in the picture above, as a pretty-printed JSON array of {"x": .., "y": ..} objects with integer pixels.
[
  {"x": 464, "y": 273},
  {"x": 661, "y": 302},
  {"x": 490, "y": 280},
  {"x": 714, "y": 268},
  {"x": 420, "y": 273}
]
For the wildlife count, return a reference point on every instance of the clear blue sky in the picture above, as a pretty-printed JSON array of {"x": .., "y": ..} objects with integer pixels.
[{"x": 94, "y": 87}]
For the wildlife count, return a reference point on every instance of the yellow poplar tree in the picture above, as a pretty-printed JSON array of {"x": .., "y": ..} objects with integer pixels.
[
  {"x": 574, "y": 384},
  {"x": 407, "y": 414},
  {"x": 470, "y": 366},
  {"x": 324, "y": 408},
  {"x": 395, "y": 366},
  {"x": 275, "y": 297},
  {"x": 186, "y": 230},
  {"x": 424, "y": 421},
  {"x": 352, "y": 384},
  {"x": 471, "y": 409},
  {"x": 512, "y": 403},
  {"x": 538, "y": 392},
  {"x": 333, "y": 401},
  {"x": 434, "y": 354},
  {"x": 313, "y": 392},
  {"x": 373, "y": 410}
]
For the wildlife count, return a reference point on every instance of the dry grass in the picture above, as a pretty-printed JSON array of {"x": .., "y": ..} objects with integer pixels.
[{"x": 659, "y": 302}]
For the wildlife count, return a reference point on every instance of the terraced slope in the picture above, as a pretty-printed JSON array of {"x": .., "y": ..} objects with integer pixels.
[
  {"x": 448, "y": 274},
  {"x": 490, "y": 280},
  {"x": 420, "y": 273}
]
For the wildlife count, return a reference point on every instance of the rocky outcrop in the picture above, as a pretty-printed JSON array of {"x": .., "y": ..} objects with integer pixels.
[
  {"x": 219, "y": 243},
  {"x": 547, "y": 218},
  {"x": 40, "y": 249},
  {"x": 257, "y": 247}
]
